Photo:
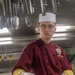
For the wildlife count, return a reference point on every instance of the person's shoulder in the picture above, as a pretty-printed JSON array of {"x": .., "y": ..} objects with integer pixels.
[
  {"x": 32, "y": 43},
  {"x": 29, "y": 46}
]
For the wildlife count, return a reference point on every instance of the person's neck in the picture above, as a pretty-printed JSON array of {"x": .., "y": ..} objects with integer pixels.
[{"x": 47, "y": 41}]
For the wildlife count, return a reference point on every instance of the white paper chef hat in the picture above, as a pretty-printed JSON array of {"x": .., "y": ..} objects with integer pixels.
[{"x": 47, "y": 17}]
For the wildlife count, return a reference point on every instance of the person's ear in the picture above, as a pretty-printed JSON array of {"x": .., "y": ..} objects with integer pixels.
[{"x": 38, "y": 29}]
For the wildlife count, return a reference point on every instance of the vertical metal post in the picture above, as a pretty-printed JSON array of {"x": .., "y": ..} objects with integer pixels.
[
  {"x": 43, "y": 6},
  {"x": 54, "y": 4}
]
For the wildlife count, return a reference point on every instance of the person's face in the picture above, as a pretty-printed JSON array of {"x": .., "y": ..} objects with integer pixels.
[{"x": 46, "y": 29}]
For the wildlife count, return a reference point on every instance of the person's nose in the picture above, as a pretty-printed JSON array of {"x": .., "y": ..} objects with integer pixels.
[{"x": 47, "y": 28}]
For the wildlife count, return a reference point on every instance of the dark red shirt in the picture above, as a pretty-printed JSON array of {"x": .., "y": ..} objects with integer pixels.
[{"x": 43, "y": 59}]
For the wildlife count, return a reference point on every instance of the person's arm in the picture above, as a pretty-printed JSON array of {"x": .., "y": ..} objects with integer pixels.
[
  {"x": 25, "y": 61},
  {"x": 67, "y": 68},
  {"x": 21, "y": 72}
]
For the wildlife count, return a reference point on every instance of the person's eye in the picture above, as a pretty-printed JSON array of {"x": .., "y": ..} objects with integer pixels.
[
  {"x": 43, "y": 25},
  {"x": 51, "y": 26}
]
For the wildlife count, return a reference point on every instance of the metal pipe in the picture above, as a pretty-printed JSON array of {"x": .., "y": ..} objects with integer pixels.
[
  {"x": 27, "y": 6},
  {"x": 10, "y": 8},
  {"x": 3, "y": 8},
  {"x": 54, "y": 4},
  {"x": 43, "y": 6},
  {"x": 31, "y": 7}
]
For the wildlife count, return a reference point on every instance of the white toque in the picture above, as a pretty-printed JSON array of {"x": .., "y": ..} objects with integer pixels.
[{"x": 47, "y": 17}]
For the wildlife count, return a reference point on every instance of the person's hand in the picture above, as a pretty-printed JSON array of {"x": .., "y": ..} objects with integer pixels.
[
  {"x": 64, "y": 74},
  {"x": 26, "y": 73}
]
